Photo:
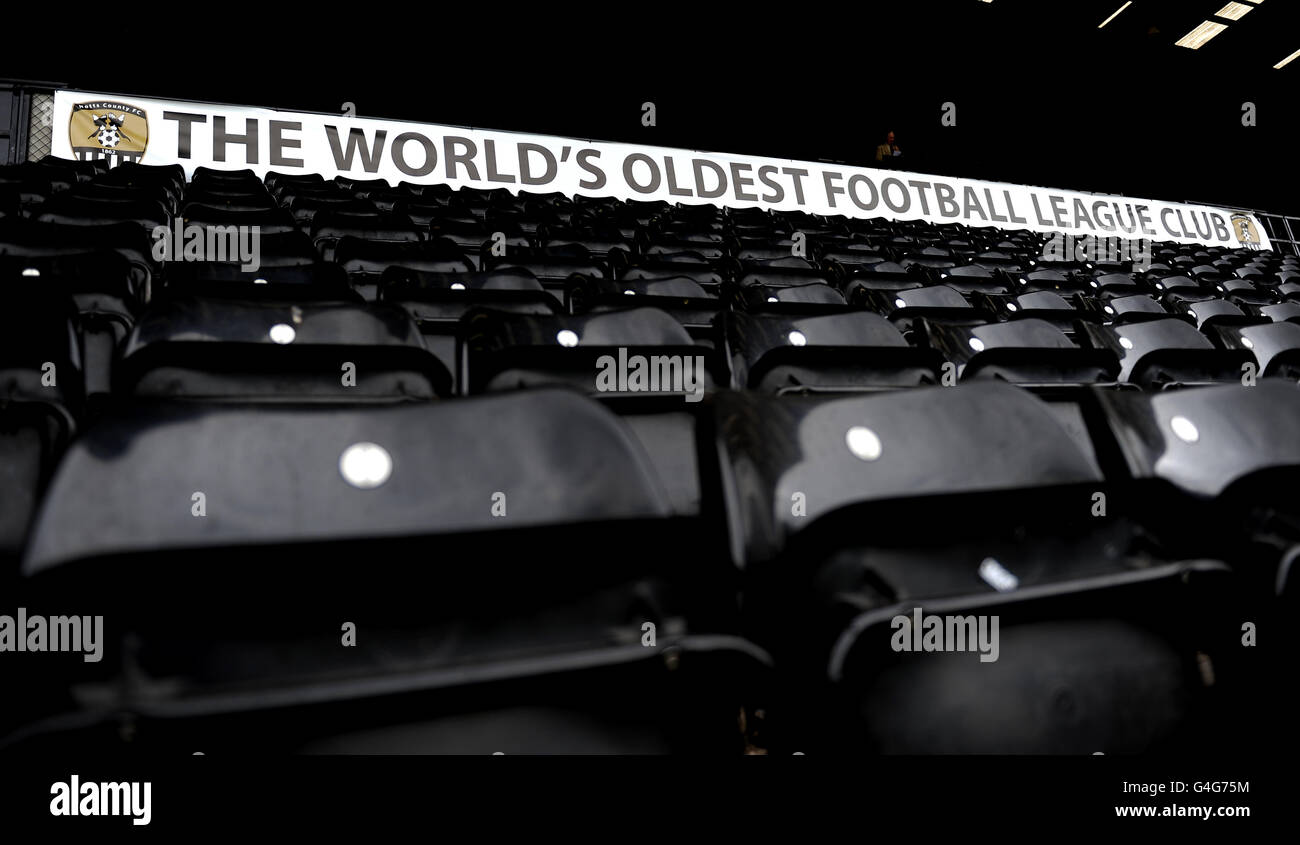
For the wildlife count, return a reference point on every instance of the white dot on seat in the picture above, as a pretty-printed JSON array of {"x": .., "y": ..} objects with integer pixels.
[
  {"x": 566, "y": 337},
  {"x": 1011, "y": 306},
  {"x": 797, "y": 338},
  {"x": 977, "y": 344},
  {"x": 283, "y": 333},
  {"x": 259, "y": 281},
  {"x": 1185, "y": 429},
  {"x": 998, "y": 576},
  {"x": 457, "y": 285},
  {"x": 899, "y": 303},
  {"x": 863, "y": 442},
  {"x": 365, "y": 465},
  {"x": 1126, "y": 343},
  {"x": 1248, "y": 343}
]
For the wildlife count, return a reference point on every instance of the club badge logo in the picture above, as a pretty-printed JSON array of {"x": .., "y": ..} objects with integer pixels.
[
  {"x": 118, "y": 132},
  {"x": 1244, "y": 228}
]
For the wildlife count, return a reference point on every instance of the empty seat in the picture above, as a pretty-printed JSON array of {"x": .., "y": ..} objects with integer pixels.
[
  {"x": 317, "y": 281},
  {"x": 937, "y": 302},
  {"x": 831, "y": 450},
  {"x": 41, "y": 395},
  {"x": 329, "y": 227},
  {"x": 1132, "y": 309},
  {"x": 1207, "y": 439},
  {"x": 849, "y": 351},
  {"x": 935, "y": 258},
  {"x": 965, "y": 504},
  {"x": 107, "y": 291},
  {"x": 433, "y": 296},
  {"x": 1289, "y": 311},
  {"x": 567, "y": 438},
  {"x": 1167, "y": 352},
  {"x": 639, "y": 352},
  {"x": 257, "y": 201},
  {"x": 545, "y": 640},
  {"x": 1243, "y": 292},
  {"x": 464, "y": 229},
  {"x": 1176, "y": 283},
  {"x": 972, "y": 277},
  {"x": 681, "y": 296},
  {"x": 1217, "y": 467},
  {"x": 666, "y": 267},
  {"x": 87, "y": 211},
  {"x": 1051, "y": 280},
  {"x": 437, "y": 302},
  {"x": 232, "y": 350},
  {"x": 1049, "y": 306},
  {"x": 271, "y": 221},
  {"x": 551, "y": 266},
  {"x": 1118, "y": 284},
  {"x": 810, "y": 298},
  {"x": 600, "y": 243},
  {"x": 1207, "y": 311},
  {"x": 366, "y": 260},
  {"x": 1027, "y": 351},
  {"x": 27, "y": 238}
]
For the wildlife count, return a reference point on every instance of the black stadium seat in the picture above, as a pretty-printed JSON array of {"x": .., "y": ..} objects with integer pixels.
[
  {"x": 41, "y": 398},
  {"x": 503, "y": 351},
  {"x": 1012, "y": 479},
  {"x": 1026, "y": 351},
  {"x": 1163, "y": 352},
  {"x": 377, "y": 477},
  {"x": 232, "y": 350},
  {"x": 107, "y": 290},
  {"x": 855, "y": 350}
]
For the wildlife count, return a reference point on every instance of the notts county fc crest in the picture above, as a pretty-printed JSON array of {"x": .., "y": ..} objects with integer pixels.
[
  {"x": 118, "y": 132},
  {"x": 1244, "y": 228}
]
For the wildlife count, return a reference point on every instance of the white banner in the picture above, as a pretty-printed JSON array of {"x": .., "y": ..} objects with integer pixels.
[{"x": 126, "y": 128}]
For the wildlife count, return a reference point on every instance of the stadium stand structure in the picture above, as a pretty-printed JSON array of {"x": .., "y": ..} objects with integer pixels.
[{"x": 911, "y": 416}]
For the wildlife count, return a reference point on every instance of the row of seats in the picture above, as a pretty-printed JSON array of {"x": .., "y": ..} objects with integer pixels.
[
  {"x": 308, "y": 219},
  {"x": 405, "y": 423},
  {"x": 528, "y": 537},
  {"x": 482, "y": 333}
]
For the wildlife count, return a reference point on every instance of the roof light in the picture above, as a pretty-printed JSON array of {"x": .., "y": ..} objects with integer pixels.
[
  {"x": 1233, "y": 11},
  {"x": 1115, "y": 14},
  {"x": 1198, "y": 37}
]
